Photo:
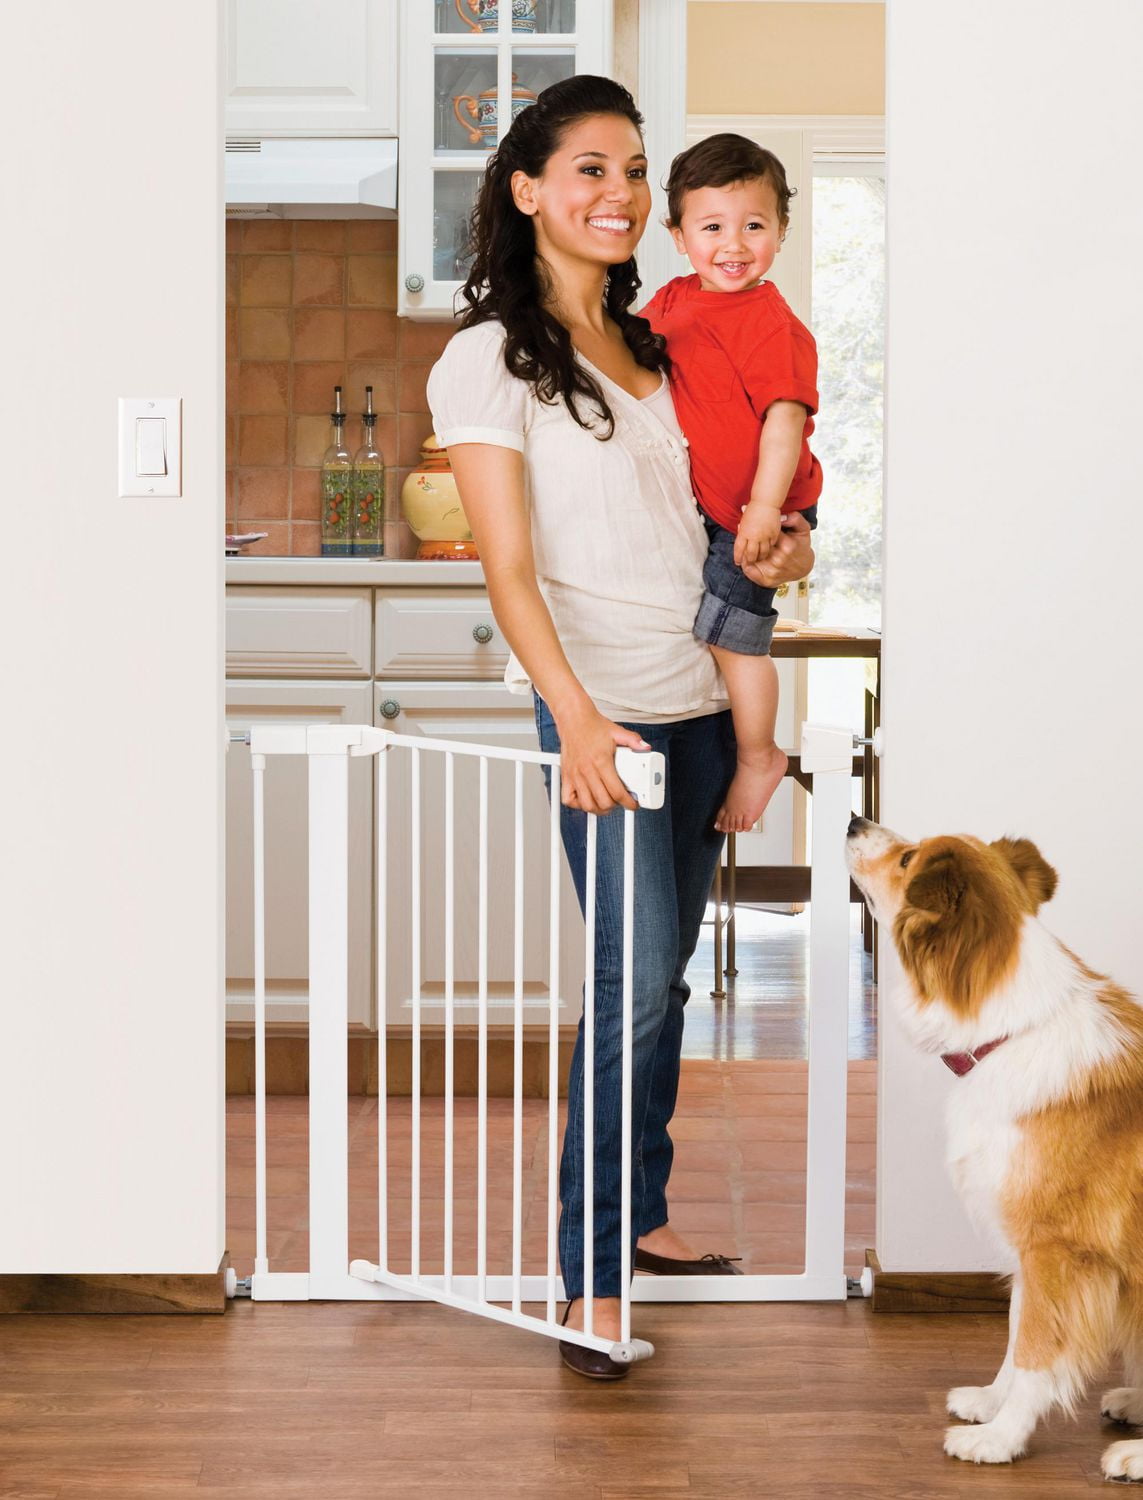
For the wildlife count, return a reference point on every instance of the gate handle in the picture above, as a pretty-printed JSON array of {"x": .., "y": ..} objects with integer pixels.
[
  {"x": 482, "y": 633},
  {"x": 390, "y": 708}
]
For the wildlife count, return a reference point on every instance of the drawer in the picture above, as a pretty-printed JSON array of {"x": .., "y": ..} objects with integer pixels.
[
  {"x": 310, "y": 633},
  {"x": 438, "y": 633}
]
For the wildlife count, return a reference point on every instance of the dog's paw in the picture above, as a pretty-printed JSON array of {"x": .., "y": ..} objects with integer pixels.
[
  {"x": 981, "y": 1445},
  {"x": 973, "y": 1403},
  {"x": 1123, "y": 1461},
  {"x": 1124, "y": 1404}
]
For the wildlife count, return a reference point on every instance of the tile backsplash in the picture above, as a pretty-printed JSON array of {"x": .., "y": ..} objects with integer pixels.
[{"x": 310, "y": 304}]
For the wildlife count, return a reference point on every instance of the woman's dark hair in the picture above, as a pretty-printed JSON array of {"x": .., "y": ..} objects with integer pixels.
[
  {"x": 507, "y": 279},
  {"x": 719, "y": 161}
]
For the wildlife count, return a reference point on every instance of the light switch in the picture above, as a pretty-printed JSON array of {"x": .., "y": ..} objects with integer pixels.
[{"x": 150, "y": 445}]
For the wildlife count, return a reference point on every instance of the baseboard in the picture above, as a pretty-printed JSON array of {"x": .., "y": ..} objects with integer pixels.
[
  {"x": 75, "y": 1294},
  {"x": 936, "y": 1291},
  {"x": 287, "y": 1061}
]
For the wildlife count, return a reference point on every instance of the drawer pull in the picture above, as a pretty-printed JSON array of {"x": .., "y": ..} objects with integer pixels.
[
  {"x": 414, "y": 283},
  {"x": 390, "y": 708},
  {"x": 482, "y": 634}
]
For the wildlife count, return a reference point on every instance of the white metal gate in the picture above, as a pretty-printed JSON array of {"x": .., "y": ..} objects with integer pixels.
[{"x": 827, "y": 754}]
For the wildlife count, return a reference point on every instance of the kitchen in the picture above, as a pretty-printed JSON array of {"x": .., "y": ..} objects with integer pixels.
[
  {"x": 412, "y": 645},
  {"x": 118, "y": 824}
]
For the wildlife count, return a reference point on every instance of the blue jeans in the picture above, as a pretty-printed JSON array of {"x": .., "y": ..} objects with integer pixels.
[
  {"x": 676, "y": 852},
  {"x": 736, "y": 613}
]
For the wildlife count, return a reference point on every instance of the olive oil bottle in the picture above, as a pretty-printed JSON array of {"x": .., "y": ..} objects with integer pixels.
[
  {"x": 368, "y": 487},
  {"x": 336, "y": 488}
]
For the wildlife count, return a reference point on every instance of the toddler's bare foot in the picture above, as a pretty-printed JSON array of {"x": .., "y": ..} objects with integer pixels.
[{"x": 755, "y": 782}]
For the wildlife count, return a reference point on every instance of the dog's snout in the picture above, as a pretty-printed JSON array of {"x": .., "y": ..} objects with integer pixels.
[{"x": 856, "y": 826}]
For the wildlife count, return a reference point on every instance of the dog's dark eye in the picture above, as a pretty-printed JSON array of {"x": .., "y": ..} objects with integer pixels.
[{"x": 906, "y": 857}]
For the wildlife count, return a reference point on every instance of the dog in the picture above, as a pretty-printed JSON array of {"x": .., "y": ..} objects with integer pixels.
[{"x": 1045, "y": 1122}]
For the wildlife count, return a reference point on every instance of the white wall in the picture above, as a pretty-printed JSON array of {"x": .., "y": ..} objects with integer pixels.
[
  {"x": 111, "y": 1076},
  {"x": 1014, "y": 516}
]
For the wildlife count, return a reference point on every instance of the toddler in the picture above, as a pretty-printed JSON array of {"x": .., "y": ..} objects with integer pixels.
[{"x": 744, "y": 380}]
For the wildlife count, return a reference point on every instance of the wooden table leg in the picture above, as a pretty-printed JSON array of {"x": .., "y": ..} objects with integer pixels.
[
  {"x": 868, "y": 800},
  {"x": 731, "y": 969},
  {"x": 718, "y": 993}
]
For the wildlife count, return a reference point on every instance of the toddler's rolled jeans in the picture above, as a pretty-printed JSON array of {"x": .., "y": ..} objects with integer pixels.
[
  {"x": 736, "y": 613},
  {"x": 676, "y": 852}
]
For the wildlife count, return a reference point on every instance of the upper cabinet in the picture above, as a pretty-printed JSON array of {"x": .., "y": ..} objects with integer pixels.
[
  {"x": 295, "y": 67},
  {"x": 467, "y": 68}
]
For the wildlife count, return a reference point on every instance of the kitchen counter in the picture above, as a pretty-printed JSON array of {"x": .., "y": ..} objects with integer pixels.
[{"x": 352, "y": 572}]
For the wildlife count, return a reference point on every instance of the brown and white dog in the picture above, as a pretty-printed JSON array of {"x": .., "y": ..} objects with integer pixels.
[{"x": 1045, "y": 1125}]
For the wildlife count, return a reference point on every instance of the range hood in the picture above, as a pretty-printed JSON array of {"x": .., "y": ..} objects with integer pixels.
[{"x": 311, "y": 179}]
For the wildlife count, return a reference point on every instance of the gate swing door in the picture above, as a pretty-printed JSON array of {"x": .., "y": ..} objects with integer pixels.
[{"x": 503, "y": 1294}]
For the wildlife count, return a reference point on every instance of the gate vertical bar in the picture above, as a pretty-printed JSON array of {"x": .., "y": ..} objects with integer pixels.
[
  {"x": 328, "y": 1021},
  {"x": 518, "y": 1043},
  {"x": 450, "y": 999},
  {"x": 482, "y": 1041},
  {"x": 261, "y": 1262},
  {"x": 625, "y": 1255},
  {"x": 381, "y": 880},
  {"x": 415, "y": 940},
  {"x": 829, "y": 755},
  {"x": 589, "y": 1081},
  {"x": 553, "y": 1033}
]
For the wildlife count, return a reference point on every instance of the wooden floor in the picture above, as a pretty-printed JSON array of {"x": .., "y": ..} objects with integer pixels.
[
  {"x": 379, "y": 1401},
  {"x": 764, "y": 1014},
  {"x": 737, "y": 1187}
]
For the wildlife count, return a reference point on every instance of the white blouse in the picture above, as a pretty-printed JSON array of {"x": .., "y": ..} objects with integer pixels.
[{"x": 617, "y": 538}]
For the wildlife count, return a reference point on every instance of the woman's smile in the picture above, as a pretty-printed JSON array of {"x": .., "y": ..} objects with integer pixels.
[{"x": 612, "y": 224}]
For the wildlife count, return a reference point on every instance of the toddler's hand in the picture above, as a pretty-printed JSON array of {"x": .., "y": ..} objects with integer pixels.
[{"x": 758, "y": 530}]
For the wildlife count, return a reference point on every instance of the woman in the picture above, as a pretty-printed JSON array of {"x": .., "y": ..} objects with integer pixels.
[{"x": 554, "y": 404}]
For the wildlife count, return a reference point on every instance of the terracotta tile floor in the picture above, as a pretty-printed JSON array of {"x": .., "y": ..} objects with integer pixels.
[{"x": 738, "y": 1184}]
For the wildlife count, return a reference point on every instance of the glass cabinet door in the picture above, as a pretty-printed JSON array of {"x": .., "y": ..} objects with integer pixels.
[{"x": 468, "y": 68}]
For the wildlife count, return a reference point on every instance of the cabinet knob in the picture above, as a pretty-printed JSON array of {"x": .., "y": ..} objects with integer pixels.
[
  {"x": 414, "y": 283},
  {"x": 390, "y": 708},
  {"x": 482, "y": 633}
]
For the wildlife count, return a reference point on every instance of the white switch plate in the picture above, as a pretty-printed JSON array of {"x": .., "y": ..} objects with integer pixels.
[{"x": 161, "y": 408}]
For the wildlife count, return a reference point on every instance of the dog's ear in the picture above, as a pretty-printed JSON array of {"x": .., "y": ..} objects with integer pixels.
[
  {"x": 1033, "y": 871},
  {"x": 940, "y": 886}
]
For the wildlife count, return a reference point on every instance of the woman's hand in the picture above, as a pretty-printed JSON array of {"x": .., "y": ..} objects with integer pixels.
[
  {"x": 589, "y": 781},
  {"x": 790, "y": 558}
]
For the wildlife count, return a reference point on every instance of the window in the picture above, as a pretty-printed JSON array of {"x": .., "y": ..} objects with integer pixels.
[{"x": 848, "y": 294}]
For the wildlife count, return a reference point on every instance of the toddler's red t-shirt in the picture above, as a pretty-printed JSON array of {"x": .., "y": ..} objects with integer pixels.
[{"x": 732, "y": 355}]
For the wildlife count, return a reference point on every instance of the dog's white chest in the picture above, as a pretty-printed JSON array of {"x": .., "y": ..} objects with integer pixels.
[{"x": 981, "y": 1143}]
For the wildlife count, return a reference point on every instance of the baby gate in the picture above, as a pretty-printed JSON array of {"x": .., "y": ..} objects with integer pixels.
[{"x": 826, "y": 754}]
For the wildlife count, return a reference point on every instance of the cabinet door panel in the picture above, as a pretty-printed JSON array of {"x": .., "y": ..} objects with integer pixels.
[
  {"x": 299, "y": 632},
  {"x": 294, "y": 66},
  {"x": 286, "y": 811},
  {"x": 438, "y": 633},
  {"x": 484, "y": 713}
]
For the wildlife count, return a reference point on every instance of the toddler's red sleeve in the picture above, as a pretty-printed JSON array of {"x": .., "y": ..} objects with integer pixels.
[{"x": 783, "y": 367}]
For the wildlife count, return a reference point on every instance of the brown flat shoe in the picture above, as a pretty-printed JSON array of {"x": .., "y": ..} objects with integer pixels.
[
  {"x": 708, "y": 1265},
  {"x": 593, "y": 1364}
]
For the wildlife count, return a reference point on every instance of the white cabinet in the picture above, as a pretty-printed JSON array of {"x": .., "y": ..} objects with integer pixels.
[
  {"x": 299, "y": 632},
  {"x": 443, "y": 632},
  {"x": 287, "y": 960},
  {"x": 297, "y": 67},
  {"x": 467, "y": 67},
  {"x": 483, "y": 713}
]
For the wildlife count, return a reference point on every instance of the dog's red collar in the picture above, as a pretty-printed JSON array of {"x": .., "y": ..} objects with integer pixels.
[{"x": 964, "y": 1062}]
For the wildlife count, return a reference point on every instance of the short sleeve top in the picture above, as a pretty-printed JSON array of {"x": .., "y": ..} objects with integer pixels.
[
  {"x": 732, "y": 355},
  {"x": 617, "y": 538}
]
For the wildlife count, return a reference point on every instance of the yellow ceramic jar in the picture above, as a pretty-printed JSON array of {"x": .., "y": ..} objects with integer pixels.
[{"x": 432, "y": 507}]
